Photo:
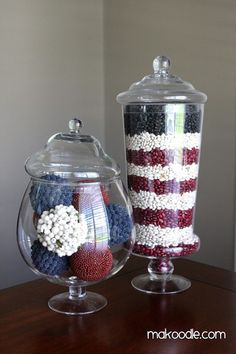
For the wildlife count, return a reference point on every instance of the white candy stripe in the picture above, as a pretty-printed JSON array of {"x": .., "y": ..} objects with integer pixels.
[
  {"x": 149, "y": 141},
  {"x": 155, "y": 236},
  {"x": 153, "y": 201},
  {"x": 166, "y": 173}
]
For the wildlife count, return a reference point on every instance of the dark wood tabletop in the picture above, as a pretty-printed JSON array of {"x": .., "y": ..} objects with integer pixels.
[{"x": 28, "y": 326}]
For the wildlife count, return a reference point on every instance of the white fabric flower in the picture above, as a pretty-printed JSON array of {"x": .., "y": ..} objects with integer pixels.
[{"x": 62, "y": 230}]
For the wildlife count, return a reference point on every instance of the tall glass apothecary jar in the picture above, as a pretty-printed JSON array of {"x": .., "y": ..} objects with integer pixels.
[
  {"x": 162, "y": 121},
  {"x": 75, "y": 223}
]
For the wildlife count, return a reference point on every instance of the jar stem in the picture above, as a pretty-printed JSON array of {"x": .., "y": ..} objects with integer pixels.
[
  {"x": 161, "y": 269},
  {"x": 76, "y": 292}
]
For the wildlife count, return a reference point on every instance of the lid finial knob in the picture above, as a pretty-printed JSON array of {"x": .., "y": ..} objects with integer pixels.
[
  {"x": 75, "y": 125},
  {"x": 161, "y": 65}
]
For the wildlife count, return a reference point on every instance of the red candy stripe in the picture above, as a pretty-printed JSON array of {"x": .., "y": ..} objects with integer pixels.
[
  {"x": 138, "y": 184},
  {"x": 162, "y": 157},
  {"x": 164, "y": 217},
  {"x": 160, "y": 251}
]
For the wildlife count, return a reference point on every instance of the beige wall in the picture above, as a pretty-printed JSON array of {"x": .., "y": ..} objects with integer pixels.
[
  {"x": 200, "y": 38},
  {"x": 51, "y": 69}
]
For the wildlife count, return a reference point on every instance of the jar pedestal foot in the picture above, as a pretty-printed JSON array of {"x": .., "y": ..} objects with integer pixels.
[
  {"x": 77, "y": 302},
  {"x": 160, "y": 279}
]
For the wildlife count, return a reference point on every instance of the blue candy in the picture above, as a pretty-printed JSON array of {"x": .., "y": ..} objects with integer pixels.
[
  {"x": 44, "y": 196},
  {"x": 48, "y": 262},
  {"x": 120, "y": 224}
]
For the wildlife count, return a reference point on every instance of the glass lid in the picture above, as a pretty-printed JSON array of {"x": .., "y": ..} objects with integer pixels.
[
  {"x": 75, "y": 157},
  {"x": 161, "y": 86}
]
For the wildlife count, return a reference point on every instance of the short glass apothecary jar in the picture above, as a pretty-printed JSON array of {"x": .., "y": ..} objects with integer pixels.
[
  {"x": 162, "y": 121},
  {"x": 75, "y": 223}
]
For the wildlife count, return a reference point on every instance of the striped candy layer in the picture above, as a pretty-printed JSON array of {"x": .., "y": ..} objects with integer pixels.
[
  {"x": 170, "y": 251},
  {"x": 166, "y": 173},
  {"x": 148, "y": 141},
  {"x": 162, "y": 177},
  {"x": 164, "y": 217},
  {"x": 172, "y": 201},
  {"x": 154, "y": 119},
  {"x": 151, "y": 235},
  {"x": 162, "y": 157},
  {"x": 138, "y": 184}
]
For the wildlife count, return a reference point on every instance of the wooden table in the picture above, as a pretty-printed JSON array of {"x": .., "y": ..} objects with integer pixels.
[{"x": 28, "y": 326}]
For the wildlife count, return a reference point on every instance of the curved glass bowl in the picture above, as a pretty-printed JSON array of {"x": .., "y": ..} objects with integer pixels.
[{"x": 75, "y": 234}]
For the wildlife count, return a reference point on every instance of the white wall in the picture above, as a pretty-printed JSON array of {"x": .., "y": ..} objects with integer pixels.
[
  {"x": 51, "y": 69},
  {"x": 200, "y": 38}
]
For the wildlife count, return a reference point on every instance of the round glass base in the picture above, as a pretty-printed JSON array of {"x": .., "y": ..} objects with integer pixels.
[
  {"x": 163, "y": 284},
  {"x": 89, "y": 302}
]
